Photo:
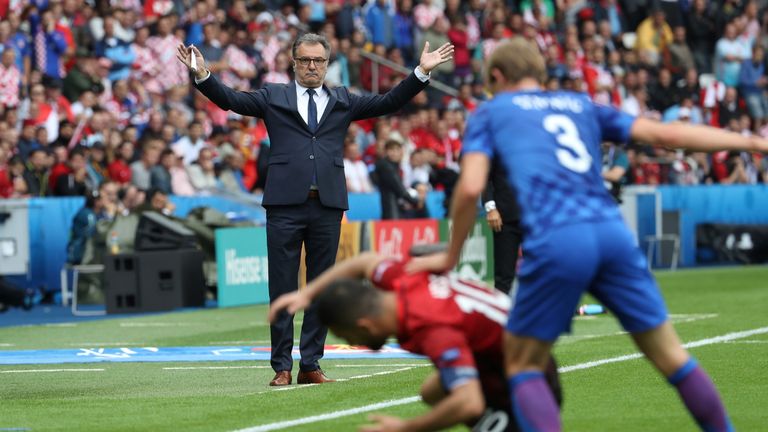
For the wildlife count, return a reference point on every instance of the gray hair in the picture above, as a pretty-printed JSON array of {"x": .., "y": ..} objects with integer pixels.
[{"x": 311, "y": 39}]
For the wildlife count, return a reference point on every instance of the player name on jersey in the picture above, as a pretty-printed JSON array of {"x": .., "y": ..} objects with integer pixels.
[{"x": 560, "y": 103}]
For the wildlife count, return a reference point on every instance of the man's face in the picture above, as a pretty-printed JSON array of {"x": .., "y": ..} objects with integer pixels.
[
  {"x": 395, "y": 154},
  {"x": 39, "y": 160},
  {"x": 77, "y": 162},
  {"x": 159, "y": 201},
  {"x": 310, "y": 73},
  {"x": 360, "y": 336}
]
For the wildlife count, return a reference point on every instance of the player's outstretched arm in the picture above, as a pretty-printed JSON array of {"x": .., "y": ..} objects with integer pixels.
[
  {"x": 694, "y": 137},
  {"x": 474, "y": 175},
  {"x": 463, "y": 403},
  {"x": 361, "y": 266}
]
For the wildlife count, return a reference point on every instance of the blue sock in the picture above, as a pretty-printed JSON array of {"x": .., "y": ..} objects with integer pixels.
[
  {"x": 701, "y": 398},
  {"x": 533, "y": 403}
]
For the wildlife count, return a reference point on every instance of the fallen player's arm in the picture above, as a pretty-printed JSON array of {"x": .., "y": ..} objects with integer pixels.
[
  {"x": 463, "y": 404},
  {"x": 694, "y": 137},
  {"x": 361, "y": 266}
]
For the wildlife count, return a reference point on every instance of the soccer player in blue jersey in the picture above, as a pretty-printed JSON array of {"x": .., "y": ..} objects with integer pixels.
[{"x": 575, "y": 240}]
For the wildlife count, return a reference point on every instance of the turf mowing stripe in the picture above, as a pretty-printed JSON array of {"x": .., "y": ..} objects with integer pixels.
[
  {"x": 51, "y": 370},
  {"x": 344, "y": 413},
  {"x": 332, "y": 415},
  {"x": 709, "y": 341},
  {"x": 216, "y": 367}
]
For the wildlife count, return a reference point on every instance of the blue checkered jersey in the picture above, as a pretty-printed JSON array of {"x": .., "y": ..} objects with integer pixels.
[{"x": 549, "y": 142}]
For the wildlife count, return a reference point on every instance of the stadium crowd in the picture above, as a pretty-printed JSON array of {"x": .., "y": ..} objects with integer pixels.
[{"x": 90, "y": 90}]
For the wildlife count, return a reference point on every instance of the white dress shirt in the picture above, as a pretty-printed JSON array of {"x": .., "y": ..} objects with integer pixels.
[{"x": 302, "y": 101}]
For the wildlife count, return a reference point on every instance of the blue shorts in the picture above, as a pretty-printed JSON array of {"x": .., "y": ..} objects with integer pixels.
[{"x": 600, "y": 258}]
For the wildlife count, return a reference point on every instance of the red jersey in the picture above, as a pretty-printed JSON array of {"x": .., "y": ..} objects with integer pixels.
[{"x": 456, "y": 323}]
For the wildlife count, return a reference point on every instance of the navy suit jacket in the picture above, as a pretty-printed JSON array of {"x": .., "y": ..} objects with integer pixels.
[{"x": 295, "y": 151}]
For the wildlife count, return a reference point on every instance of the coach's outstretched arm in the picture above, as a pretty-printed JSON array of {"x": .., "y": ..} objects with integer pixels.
[
  {"x": 361, "y": 266},
  {"x": 694, "y": 137}
]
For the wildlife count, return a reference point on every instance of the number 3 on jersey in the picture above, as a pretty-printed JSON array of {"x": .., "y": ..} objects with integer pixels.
[{"x": 562, "y": 127}]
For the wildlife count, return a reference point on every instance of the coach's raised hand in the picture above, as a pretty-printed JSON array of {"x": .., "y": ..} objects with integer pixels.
[
  {"x": 183, "y": 54},
  {"x": 431, "y": 60}
]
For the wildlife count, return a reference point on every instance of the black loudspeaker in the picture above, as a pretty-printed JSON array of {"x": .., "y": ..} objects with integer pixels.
[
  {"x": 153, "y": 281},
  {"x": 121, "y": 283},
  {"x": 157, "y": 232}
]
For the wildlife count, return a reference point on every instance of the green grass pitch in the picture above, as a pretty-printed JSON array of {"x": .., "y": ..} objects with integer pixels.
[{"x": 223, "y": 396}]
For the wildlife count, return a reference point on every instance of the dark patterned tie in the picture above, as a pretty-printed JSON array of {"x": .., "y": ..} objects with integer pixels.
[{"x": 312, "y": 111}]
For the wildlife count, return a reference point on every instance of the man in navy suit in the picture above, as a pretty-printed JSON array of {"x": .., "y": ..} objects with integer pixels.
[{"x": 305, "y": 193}]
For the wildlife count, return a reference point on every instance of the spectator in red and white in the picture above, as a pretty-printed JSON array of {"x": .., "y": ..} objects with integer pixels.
[
  {"x": 163, "y": 46},
  {"x": 449, "y": 145},
  {"x": 155, "y": 10},
  {"x": 189, "y": 145},
  {"x": 240, "y": 67},
  {"x": 425, "y": 14},
  {"x": 600, "y": 83},
  {"x": 730, "y": 52},
  {"x": 119, "y": 170},
  {"x": 280, "y": 74},
  {"x": 10, "y": 79},
  {"x": 146, "y": 66},
  {"x": 355, "y": 170}
]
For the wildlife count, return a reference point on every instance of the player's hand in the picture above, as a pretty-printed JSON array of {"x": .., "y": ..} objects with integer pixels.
[
  {"x": 430, "y": 60},
  {"x": 384, "y": 423},
  {"x": 435, "y": 263},
  {"x": 292, "y": 303},
  {"x": 494, "y": 220},
  {"x": 184, "y": 56}
]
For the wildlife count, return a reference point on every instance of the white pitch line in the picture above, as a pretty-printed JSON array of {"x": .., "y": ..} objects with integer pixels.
[
  {"x": 304, "y": 386},
  {"x": 7, "y": 345},
  {"x": 51, "y": 370},
  {"x": 381, "y": 365},
  {"x": 216, "y": 367},
  {"x": 101, "y": 344},
  {"x": 330, "y": 416},
  {"x": 344, "y": 413},
  {"x": 709, "y": 341},
  {"x": 749, "y": 342},
  {"x": 156, "y": 324}
]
